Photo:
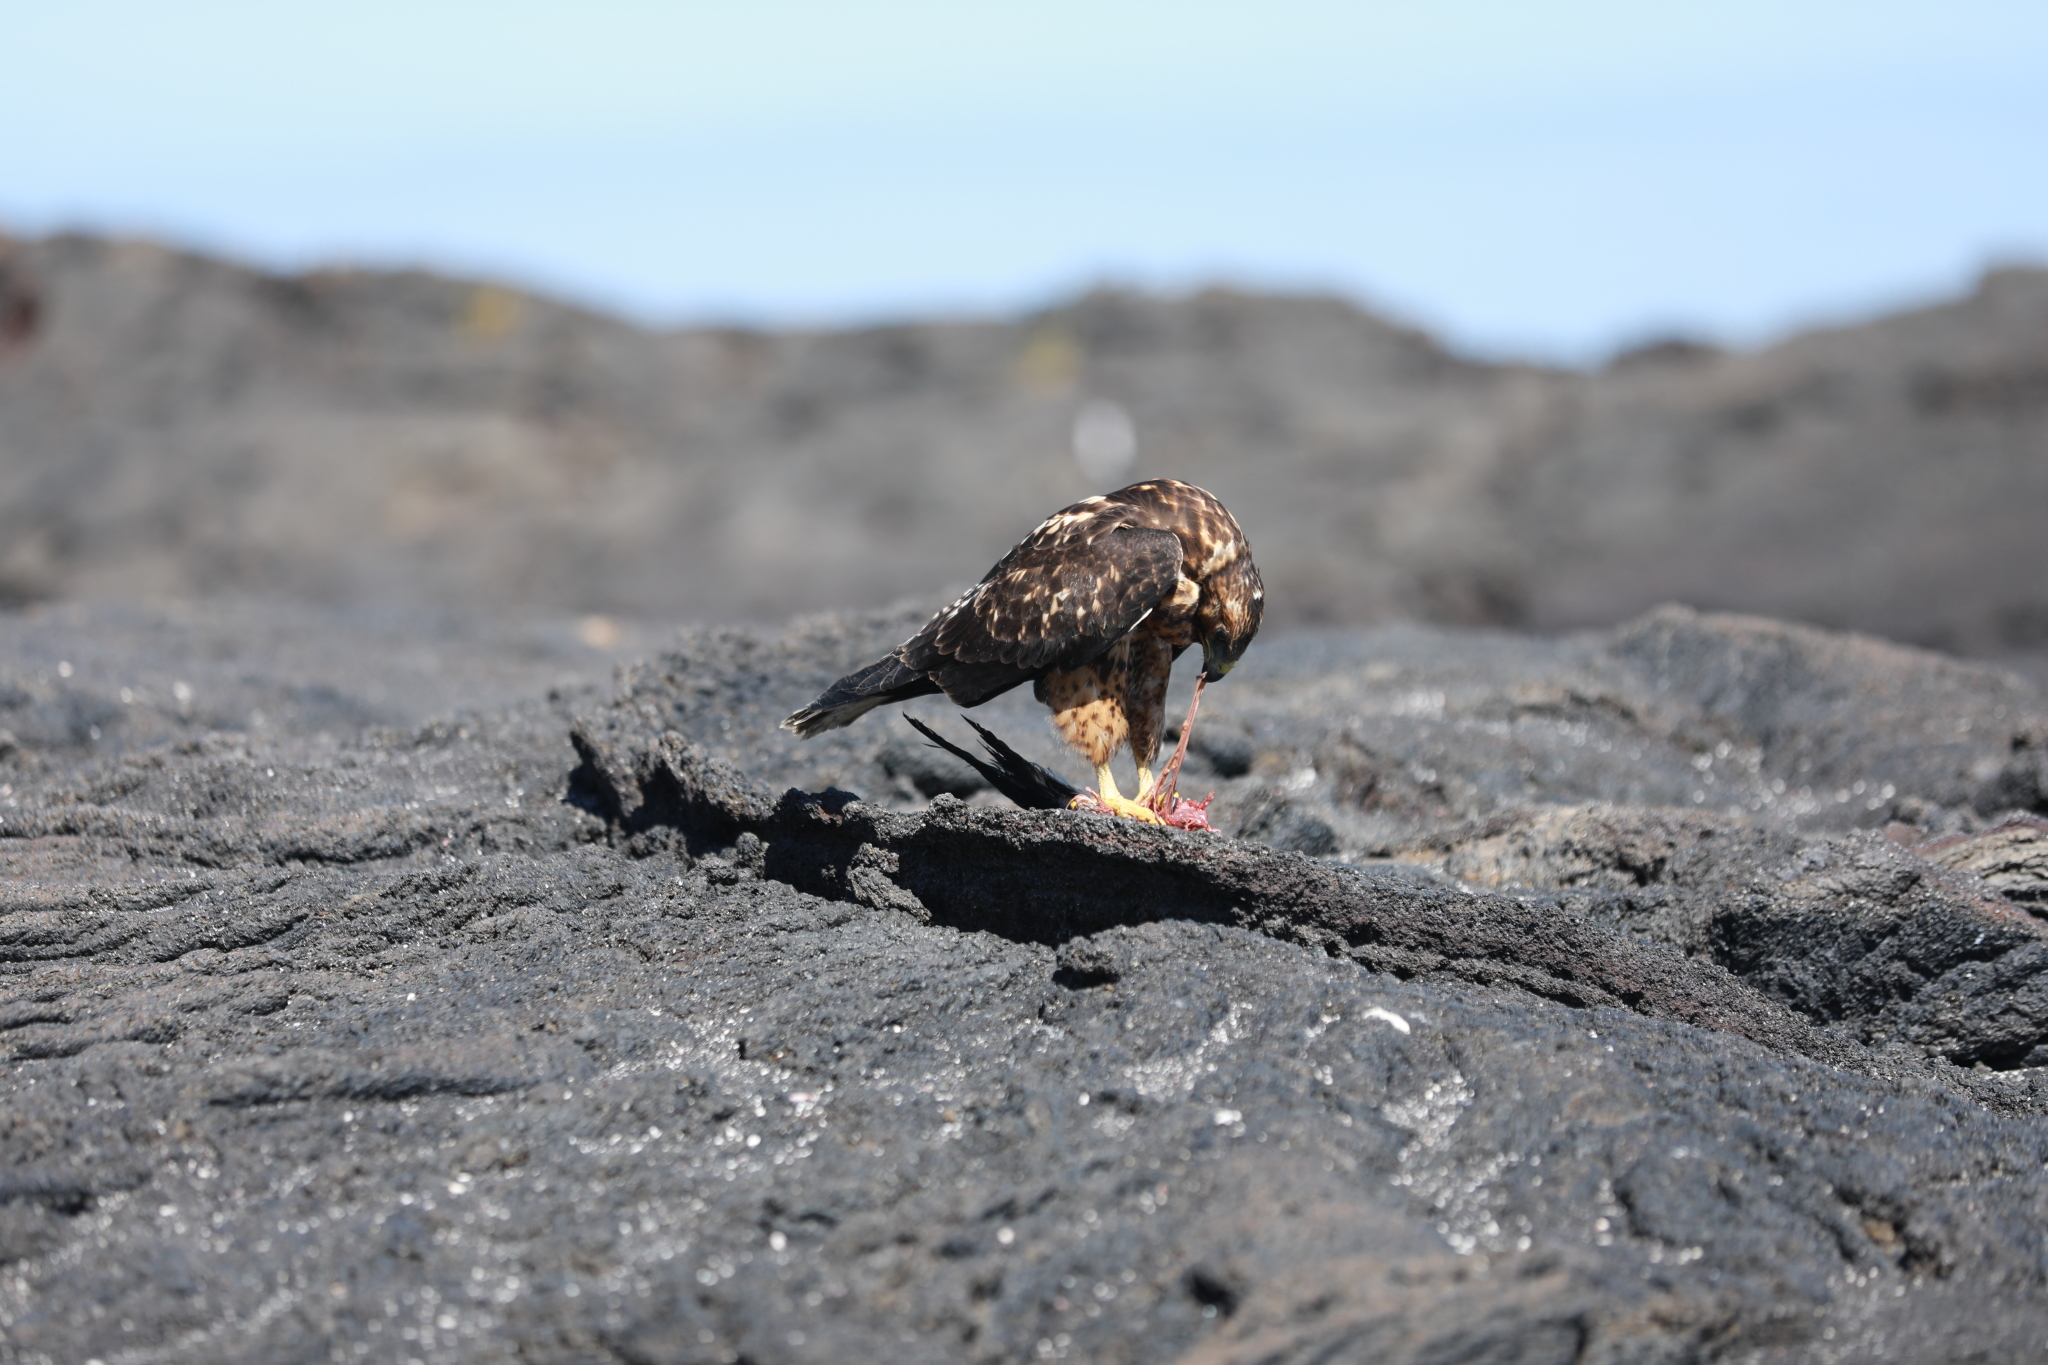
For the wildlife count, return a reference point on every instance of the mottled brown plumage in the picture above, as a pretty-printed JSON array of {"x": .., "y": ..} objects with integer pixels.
[{"x": 1092, "y": 608}]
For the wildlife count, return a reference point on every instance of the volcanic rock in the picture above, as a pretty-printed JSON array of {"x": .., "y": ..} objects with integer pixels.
[
  {"x": 180, "y": 426},
  {"x": 591, "y": 1023}
]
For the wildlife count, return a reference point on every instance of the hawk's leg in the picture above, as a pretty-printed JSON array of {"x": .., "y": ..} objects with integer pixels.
[
  {"x": 1151, "y": 665},
  {"x": 1109, "y": 800},
  {"x": 1088, "y": 710},
  {"x": 1107, "y": 794}
]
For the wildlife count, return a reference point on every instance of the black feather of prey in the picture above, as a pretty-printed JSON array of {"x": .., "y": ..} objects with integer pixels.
[{"x": 1012, "y": 774}]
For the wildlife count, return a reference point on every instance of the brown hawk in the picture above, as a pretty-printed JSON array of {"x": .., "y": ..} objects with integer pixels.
[{"x": 1092, "y": 608}]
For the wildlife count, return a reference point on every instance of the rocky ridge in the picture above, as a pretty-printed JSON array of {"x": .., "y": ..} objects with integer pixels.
[{"x": 179, "y": 426}]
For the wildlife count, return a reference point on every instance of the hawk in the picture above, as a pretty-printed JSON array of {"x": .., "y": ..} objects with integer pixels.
[{"x": 1092, "y": 609}]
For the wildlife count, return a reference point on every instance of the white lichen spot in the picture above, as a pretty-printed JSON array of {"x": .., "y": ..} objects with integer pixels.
[{"x": 1387, "y": 1016}]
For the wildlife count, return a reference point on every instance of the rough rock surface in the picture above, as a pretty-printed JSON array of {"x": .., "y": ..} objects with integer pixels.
[{"x": 1667, "y": 994}]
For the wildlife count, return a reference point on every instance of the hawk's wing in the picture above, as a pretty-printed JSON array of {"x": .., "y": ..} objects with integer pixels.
[{"x": 1053, "y": 602}]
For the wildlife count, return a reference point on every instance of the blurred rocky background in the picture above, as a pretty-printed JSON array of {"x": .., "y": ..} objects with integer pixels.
[{"x": 175, "y": 426}]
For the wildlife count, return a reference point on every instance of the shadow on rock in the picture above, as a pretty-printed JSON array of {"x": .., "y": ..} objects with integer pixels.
[{"x": 1051, "y": 876}]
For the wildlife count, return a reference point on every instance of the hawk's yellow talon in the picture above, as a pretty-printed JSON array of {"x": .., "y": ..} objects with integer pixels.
[{"x": 1130, "y": 810}]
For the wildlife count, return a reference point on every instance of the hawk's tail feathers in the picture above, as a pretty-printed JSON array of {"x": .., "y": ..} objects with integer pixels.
[{"x": 858, "y": 693}]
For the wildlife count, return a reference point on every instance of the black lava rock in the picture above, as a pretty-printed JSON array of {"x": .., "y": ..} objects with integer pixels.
[{"x": 618, "y": 1027}]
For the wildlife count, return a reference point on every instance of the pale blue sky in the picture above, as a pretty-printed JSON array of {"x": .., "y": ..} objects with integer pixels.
[{"x": 1548, "y": 178}]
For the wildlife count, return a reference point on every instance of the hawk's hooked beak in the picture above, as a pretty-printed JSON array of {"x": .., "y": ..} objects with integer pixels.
[{"x": 1215, "y": 663}]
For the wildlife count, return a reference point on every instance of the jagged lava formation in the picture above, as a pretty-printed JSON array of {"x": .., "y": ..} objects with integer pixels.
[{"x": 1674, "y": 993}]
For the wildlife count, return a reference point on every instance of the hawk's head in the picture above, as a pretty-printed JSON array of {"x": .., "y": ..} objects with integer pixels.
[{"x": 1233, "y": 600}]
